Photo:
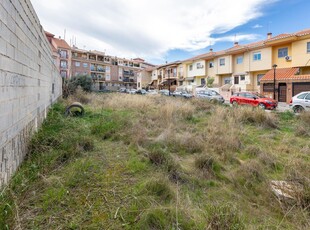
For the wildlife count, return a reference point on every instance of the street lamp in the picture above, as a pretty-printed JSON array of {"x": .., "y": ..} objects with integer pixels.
[{"x": 274, "y": 81}]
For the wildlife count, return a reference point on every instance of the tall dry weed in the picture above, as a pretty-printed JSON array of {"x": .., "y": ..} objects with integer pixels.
[{"x": 222, "y": 134}]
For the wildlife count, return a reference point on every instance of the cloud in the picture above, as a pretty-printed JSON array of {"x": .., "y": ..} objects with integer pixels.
[
  {"x": 257, "y": 26},
  {"x": 142, "y": 28}
]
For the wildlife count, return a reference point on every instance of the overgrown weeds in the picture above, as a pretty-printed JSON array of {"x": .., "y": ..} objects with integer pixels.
[{"x": 138, "y": 162}]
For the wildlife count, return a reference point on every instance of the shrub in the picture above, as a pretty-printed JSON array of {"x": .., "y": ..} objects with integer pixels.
[
  {"x": 256, "y": 116},
  {"x": 303, "y": 125}
]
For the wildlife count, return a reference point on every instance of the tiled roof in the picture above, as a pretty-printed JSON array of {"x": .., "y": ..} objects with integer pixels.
[
  {"x": 303, "y": 32},
  {"x": 281, "y": 74},
  {"x": 253, "y": 45},
  {"x": 300, "y": 77},
  {"x": 49, "y": 34},
  {"x": 61, "y": 43}
]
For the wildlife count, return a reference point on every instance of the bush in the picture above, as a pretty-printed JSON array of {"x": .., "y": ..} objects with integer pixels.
[
  {"x": 84, "y": 81},
  {"x": 257, "y": 117}
]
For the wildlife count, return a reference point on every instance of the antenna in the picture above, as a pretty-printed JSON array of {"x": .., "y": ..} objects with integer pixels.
[{"x": 65, "y": 34}]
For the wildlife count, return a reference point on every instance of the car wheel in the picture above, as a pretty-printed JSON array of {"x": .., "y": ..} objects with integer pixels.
[
  {"x": 262, "y": 106},
  {"x": 298, "y": 109},
  {"x": 235, "y": 103}
]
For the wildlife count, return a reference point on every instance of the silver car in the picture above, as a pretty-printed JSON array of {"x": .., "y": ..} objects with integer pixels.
[
  {"x": 210, "y": 95},
  {"x": 301, "y": 102}
]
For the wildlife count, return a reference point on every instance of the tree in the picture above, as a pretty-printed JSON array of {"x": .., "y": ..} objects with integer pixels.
[
  {"x": 210, "y": 81},
  {"x": 70, "y": 86}
]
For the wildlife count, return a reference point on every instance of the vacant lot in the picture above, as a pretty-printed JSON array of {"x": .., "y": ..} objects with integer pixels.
[{"x": 154, "y": 162}]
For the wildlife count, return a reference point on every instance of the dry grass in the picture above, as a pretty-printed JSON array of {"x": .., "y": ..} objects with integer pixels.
[{"x": 139, "y": 162}]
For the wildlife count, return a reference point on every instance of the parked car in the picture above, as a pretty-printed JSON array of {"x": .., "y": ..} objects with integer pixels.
[
  {"x": 253, "y": 99},
  {"x": 122, "y": 90},
  {"x": 141, "y": 91},
  {"x": 182, "y": 94},
  {"x": 164, "y": 92},
  {"x": 301, "y": 102},
  {"x": 210, "y": 95},
  {"x": 151, "y": 92},
  {"x": 132, "y": 91}
]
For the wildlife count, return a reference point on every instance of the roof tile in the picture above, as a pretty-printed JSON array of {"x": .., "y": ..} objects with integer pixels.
[{"x": 281, "y": 74}]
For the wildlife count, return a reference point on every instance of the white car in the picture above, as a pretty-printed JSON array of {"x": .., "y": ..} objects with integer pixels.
[{"x": 301, "y": 102}]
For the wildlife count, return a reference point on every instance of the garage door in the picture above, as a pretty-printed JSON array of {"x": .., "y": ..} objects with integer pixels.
[{"x": 300, "y": 87}]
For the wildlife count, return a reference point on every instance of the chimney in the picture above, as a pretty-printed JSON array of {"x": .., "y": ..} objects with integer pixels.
[
  {"x": 269, "y": 35},
  {"x": 211, "y": 50},
  {"x": 59, "y": 37},
  {"x": 235, "y": 43}
]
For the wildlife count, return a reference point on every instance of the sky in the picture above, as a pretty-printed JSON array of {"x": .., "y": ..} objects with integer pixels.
[{"x": 162, "y": 31}]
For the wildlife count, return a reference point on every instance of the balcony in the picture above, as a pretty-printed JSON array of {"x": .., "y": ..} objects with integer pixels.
[
  {"x": 64, "y": 67},
  {"x": 128, "y": 73}
]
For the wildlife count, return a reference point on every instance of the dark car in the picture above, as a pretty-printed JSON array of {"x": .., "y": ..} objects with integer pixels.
[
  {"x": 210, "y": 95},
  {"x": 141, "y": 91},
  {"x": 253, "y": 99}
]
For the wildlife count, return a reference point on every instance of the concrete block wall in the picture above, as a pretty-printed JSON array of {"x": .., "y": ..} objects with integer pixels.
[{"x": 29, "y": 81}]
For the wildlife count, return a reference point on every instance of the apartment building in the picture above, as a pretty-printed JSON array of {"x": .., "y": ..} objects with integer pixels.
[
  {"x": 61, "y": 54},
  {"x": 107, "y": 72}
]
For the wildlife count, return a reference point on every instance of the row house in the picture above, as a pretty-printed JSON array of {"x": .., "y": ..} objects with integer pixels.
[
  {"x": 61, "y": 54},
  {"x": 253, "y": 67}
]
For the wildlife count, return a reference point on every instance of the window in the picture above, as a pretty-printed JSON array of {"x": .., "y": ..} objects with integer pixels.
[
  {"x": 199, "y": 66},
  {"x": 190, "y": 67},
  {"x": 77, "y": 64},
  {"x": 63, "y": 74},
  {"x": 308, "y": 47},
  {"x": 242, "y": 77},
  {"x": 53, "y": 88},
  {"x": 227, "y": 80},
  {"x": 63, "y": 54},
  {"x": 85, "y": 65},
  {"x": 307, "y": 97},
  {"x": 259, "y": 77},
  {"x": 211, "y": 64},
  {"x": 203, "y": 81},
  {"x": 239, "y": 59},
  {"x": 302, "y": 96},
  {"x": 257, "y": 56},
  {"x": 63, "y": 64},
  {"x": 222, "y": 61},
  {"x": 282, "y": 52}
]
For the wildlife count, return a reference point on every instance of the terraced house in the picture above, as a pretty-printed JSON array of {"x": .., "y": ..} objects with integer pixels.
[{"x": 252, "y": 67}]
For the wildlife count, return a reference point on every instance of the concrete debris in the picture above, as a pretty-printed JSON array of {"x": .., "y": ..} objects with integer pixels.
[{"x": 285, "y": 190}]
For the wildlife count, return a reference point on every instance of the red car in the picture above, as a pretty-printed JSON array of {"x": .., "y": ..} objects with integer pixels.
[{"x": 254, "y": 99}]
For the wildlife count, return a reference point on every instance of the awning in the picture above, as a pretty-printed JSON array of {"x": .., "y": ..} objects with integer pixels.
[
  {"x": 280, "y": 74},
  {"x": 165, "y": 82},
  {"x": 189, "y": 79}
]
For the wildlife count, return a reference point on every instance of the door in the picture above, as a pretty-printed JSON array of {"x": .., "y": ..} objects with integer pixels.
[
  {"x": 300, "y": 87},
  {"x": 236, "y": 80},
  {"x": 282, "y": 92}
]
